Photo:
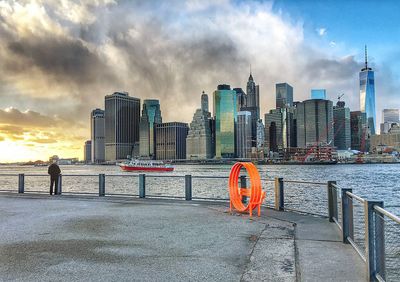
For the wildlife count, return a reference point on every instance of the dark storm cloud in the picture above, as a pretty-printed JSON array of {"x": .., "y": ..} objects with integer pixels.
[
  {"x": 156, "y": 62},
  {"x": 336, "y": 75},
  {"x": 322, "y": 69},
  {"x": 178, "y": 68},
  {"x": 63, "y": 59}
]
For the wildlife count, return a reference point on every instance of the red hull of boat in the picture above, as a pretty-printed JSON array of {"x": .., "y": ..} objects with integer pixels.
[{"x": 138, "y": 168}]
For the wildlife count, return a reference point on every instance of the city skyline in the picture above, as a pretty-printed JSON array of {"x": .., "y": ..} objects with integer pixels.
[{"x": 58, "y": 66}]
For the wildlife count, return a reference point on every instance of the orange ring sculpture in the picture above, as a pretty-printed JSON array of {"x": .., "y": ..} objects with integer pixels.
[{"x": 255, "y": 193}]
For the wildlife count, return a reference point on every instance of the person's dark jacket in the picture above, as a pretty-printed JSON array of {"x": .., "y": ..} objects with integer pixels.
[{"x": 54, "y": 170}]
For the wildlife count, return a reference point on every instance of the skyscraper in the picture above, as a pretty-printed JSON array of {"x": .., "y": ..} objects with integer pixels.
[
  {"x": 314, "y": 123},
  {"x": 122, "y": 115},
  {"x": 204, "y": 102},
  {"x": 151, "y": 115},
  {"x": 240, "y": 99},
  {"x": 318, "y": 94},
  {"x": 284, "y": 95},
  {"x": 341, "y": 126},
  {"x": 97, "y": 133},
  {"x": 253, "y": 106},
  {"x": 367, "y": 94},
  {"x": 278, "y": 123},
  {"x": 198, "y": 141},
  {"x": 253, "y": 111},
  {"x": 390, "y": 115},
  {"x": 87, "y": 151},
  {"x": 171, "y": 140},
  {"x": 225, "y": 114},
  {"x": 253, "y": 95},
  {"x": 358, "y": 125},
  {"x": 260, "y": 134},
  {"x": 144, "y": 134},
  {"x": 243, "y": 134}
]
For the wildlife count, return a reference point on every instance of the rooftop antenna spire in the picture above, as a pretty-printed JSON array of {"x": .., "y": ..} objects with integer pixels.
[
  {"x": 366, "y": 58},
  {"x": 250, "y": 69}
]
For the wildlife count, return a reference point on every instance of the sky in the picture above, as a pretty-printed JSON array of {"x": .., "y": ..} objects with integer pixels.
[{"x": 58, "y": 59}]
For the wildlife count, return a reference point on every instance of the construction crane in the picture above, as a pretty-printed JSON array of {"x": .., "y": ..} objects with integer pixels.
[{"x": 339, "y": 103}]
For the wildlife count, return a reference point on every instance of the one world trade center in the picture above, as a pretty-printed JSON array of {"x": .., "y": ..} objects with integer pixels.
[{"x": 367, "y": 95}]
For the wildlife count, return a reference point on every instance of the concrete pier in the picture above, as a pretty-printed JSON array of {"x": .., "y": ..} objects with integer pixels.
[{"x": 71, "y": 238}]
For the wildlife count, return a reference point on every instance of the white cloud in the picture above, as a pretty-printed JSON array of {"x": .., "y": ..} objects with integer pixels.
[{"x": 321, "y": 31}]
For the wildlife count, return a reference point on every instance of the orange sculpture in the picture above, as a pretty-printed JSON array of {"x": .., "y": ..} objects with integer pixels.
[{"x": 255, "y": 194}]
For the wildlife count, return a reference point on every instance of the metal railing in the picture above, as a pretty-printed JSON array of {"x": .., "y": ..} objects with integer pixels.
[
  {"x": 374, "y": 233},
  {"x": 364, "y": 224},
  {"x": 301, "y": 196},
  {"x": 354, "y": 205},
  {"x": 390, "y": 251}
]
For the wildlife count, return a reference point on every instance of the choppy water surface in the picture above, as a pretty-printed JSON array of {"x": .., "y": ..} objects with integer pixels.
[{"x": 374, "y": 181}]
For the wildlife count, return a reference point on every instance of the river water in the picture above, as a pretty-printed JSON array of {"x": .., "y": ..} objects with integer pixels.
[{"x": 370, "y": 181}]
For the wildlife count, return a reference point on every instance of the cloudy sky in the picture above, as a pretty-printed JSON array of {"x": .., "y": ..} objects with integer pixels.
[{"x": 59, "y": 58}]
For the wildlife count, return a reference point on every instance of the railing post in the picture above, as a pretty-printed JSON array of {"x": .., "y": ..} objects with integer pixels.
[
  {"x": 332, "y": 201},
  {"x": 374, "y": 241},
  {"x": 380, "y": 243},
  {"x": 347, "y": 216},
  {"x": 188, "y": 187},
  {"x": 102, "y": 185},
  {"x": 279, "y": 194},
  {"x": 21, "y": 183},
  {"x": 142, "y": 185},
  {"x": 243, "y": 184},
  {"x": 58, "y": 189}
]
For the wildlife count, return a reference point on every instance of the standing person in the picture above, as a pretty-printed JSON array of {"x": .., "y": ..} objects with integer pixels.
[{"x": 54, "y": 171}]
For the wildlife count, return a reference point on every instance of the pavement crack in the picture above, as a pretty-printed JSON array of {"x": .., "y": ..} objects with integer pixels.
[
  {"x": 252, "y": 251},
  {"x": 296, "y": 255}
]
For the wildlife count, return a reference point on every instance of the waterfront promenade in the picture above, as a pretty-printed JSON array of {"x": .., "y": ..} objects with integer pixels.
[{"x": 78, "y": 238}]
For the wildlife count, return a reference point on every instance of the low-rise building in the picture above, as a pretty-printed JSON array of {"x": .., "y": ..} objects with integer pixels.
[{"x": 386, "y": 140}]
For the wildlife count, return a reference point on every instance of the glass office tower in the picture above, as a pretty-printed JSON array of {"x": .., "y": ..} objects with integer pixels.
[
  {"x": 284, "y": 95},
  {"x": 243, "y": 134},
  {"x": 225, "y": 113},
  {"x": 358, "y": 125},
  {"x": 341, "y": 126},
  {"x": 318, "y": 94},
  {"x": 367, "y": 95},
  {"x": 314, "y": 123},
  {"x": 151, "y": 115},
  {"x": 278, "y": 126},
  {"x": 97, "y": 132}
]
